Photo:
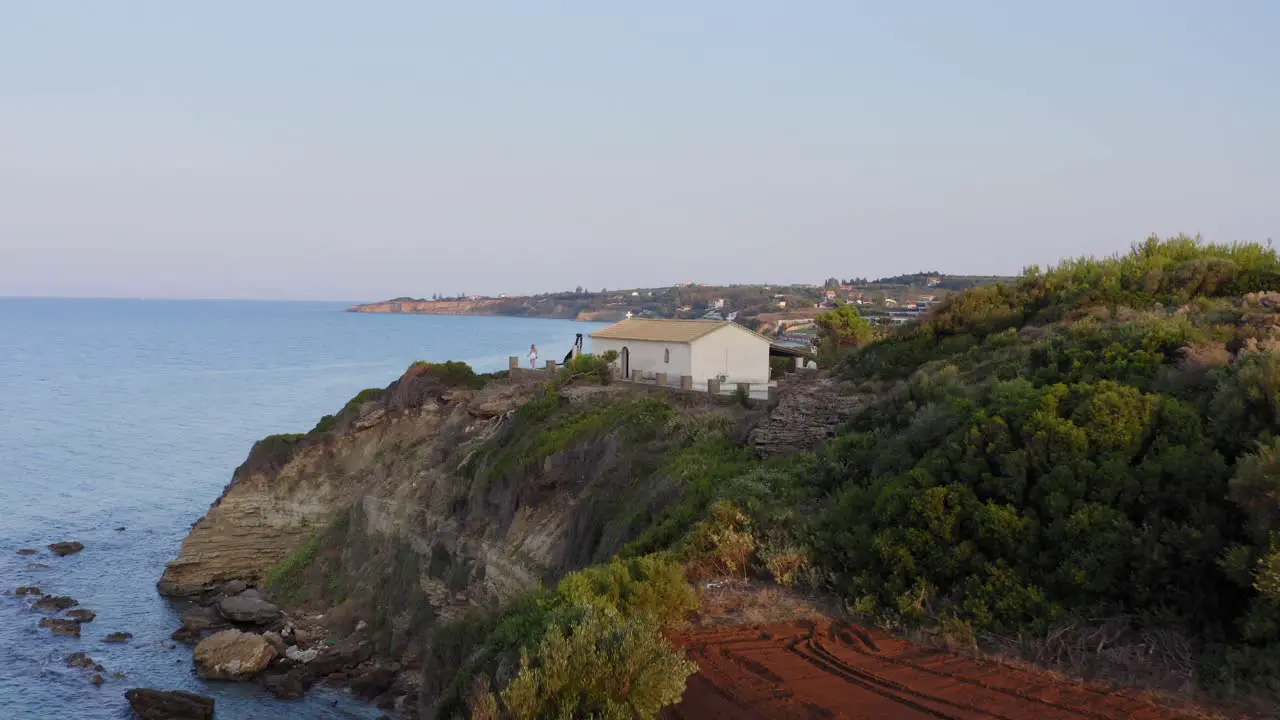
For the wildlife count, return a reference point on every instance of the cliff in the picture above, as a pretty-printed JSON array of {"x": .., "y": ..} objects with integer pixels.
[{"x": 444, "y": 492}]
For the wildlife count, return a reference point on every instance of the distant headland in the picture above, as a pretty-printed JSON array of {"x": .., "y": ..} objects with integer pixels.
[{"x": 758, "y": 306}]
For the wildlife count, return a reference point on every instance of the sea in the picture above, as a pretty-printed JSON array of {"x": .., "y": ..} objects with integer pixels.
[{"x": 120, "y": 423}]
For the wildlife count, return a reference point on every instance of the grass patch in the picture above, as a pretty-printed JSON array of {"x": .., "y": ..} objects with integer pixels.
[{"x": 286, "y": 579}]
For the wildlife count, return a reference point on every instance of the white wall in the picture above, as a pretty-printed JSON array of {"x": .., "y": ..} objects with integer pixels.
[
  {"x": 648, "y": 357},
  {"x": 733, "y": 351}
]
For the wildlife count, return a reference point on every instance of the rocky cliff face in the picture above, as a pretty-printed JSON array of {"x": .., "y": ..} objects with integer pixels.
[
  {"x": 290, "y": 488},
  {"x": 811, "y": 408},
  {"x": 415, "y": 504}
]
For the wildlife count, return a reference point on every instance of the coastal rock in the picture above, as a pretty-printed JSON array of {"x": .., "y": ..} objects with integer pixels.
[
  {"x": 198, "y": 621},
  {"x": 234, "y": 587},
  {"x": 372, "y": 419},
  {"x": 177, "y": 705},
  {"x": 118, "y": 638},
  {"x": 55, "y": 603},
  {"x": 299, "y": 655},
  {"x": 80, "y": 661},
  {"x": 288, "y": 684},
  {"x": 98, "y": 680},
  {"x": 63, "y": 549},
  {"x": 373, "y": 683},
  {"x": 248, "y": 607},
  {"x": 343, "y": 656},
  {"x": 277, "y": 642},
  {"x": 81, "y": 615},
  {"x": 232, "y": 655},
  {"x": 28, "y": 551},
  {"x": 27, "y": 590},
  {"x": 276, "y": 499},
  {"x": 61, "y": 626}
]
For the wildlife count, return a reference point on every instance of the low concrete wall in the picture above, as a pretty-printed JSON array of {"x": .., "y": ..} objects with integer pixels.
[{"x": 758, "y": 394}]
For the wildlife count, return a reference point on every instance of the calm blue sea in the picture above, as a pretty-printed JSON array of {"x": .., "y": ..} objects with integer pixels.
[{"x": 133, "y": 414}]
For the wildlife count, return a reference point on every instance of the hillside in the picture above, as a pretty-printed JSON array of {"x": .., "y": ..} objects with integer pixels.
[{"x": 1078, "y": 469}]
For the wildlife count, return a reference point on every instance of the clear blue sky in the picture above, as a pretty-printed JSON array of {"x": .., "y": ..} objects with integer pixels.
[{"x": 319, "y": 149}]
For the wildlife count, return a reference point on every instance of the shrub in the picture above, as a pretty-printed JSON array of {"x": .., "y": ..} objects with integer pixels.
[
  {"x": 723, "y": 543},
  {"x": 451, "y": 373},
  {"x": 588, "y": 367},
  {"x": 592, "y": 647},
  {"x": 605, "y": 666},
  {"x": 652, "y": 585}
]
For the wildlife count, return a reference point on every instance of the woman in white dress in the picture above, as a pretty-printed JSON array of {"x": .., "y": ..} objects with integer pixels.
[{"x": 533, "y": 356}]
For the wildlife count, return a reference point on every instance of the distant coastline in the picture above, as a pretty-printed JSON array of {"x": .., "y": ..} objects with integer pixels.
[
  {"x": 493, "y": 307},
  {"x": 765, "y": 308}
]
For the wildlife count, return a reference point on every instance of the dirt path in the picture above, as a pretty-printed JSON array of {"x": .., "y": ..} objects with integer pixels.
[{"x": 831, "y": 669}]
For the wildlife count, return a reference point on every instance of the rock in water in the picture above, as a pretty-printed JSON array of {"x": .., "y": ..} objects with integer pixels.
[
  {"x": 118, "y": 637},
  {"x": 232, "y": 655},
  {"x": 55, "y": 603},
  {"x": 81, "y": 615},
  {"x": 196, "y": 622},
  {"x": 248, "y": 608},
  {"x": 80, "y": 660},
  {"x": 373, "y": 683},
  {"x": 27, "y": 590},
  {"x": 63, "y": 549},
  {"x": 60, "y": 626},
  {"x": 156, "y": 705},
  {"x": 288, "y": 685},
  {"x": 28, "y": 551},
  {"x": 97, "y": 680}
]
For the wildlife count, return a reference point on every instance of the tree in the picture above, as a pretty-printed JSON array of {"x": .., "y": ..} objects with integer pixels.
[
  {"x": 841, "y": 330},
  {"x": 843, "y": 327},
  {"x": 831, "y": 283}
]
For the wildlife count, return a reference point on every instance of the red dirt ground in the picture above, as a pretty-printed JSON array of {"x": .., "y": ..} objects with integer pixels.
[{"x": 831, "y": 669}]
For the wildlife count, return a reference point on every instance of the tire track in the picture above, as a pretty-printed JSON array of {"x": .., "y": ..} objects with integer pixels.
[{"x": 805, "y": 671}]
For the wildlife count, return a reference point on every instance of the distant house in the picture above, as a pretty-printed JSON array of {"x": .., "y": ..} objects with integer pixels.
[
  {"x": 718, "y": 303},
  {"x": 830, "y": 294},
  {"x": 890, "y": 302},
  {"x": 704, "y": 350},
  {"x": 782, "y": 303}
]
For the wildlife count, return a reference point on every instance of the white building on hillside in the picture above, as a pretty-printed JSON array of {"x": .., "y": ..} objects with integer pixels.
[{"x": 702, "y": 349}]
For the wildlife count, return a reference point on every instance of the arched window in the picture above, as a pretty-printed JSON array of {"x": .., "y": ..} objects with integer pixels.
[{"x": 666, "y": 355}]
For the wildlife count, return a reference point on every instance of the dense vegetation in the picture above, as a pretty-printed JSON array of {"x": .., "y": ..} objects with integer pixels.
[{"x": 1094, "y": 440}]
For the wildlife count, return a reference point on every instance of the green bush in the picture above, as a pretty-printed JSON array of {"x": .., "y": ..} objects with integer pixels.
[
  {"x": 592, "y": 647},
  {"x": 606, "y": 666},
  {"x": 451, "y": 373}
]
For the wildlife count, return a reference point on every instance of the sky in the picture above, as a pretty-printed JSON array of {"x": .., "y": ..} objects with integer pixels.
[{"x": 360, "y": 151}]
